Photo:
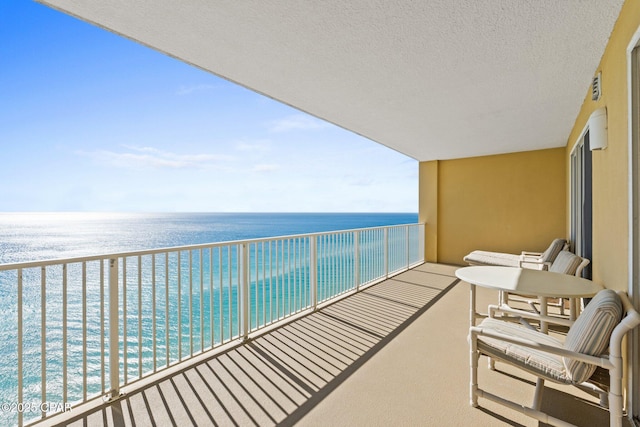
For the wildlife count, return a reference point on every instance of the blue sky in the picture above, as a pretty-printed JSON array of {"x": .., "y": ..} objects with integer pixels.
[{"x": 90, "y": 121}]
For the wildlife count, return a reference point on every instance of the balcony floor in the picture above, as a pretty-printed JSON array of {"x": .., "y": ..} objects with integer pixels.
[{"x": 393, "y": 354}]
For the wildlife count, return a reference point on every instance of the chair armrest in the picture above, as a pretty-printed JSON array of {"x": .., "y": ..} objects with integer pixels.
[
  {"x": 628, "y": 322},
  {"x": 476, "y": 331},
  {"x": 531, "y": 254},
  {"x": 493, "y": 309},
  {"x": 544, "y": 265},
  {"x": 581, "y": 267}
]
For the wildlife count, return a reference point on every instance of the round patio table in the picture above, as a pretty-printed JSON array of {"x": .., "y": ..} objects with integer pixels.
[{"x": 523, "y": 281}]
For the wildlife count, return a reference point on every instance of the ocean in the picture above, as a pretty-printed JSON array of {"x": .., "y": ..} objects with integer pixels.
[
  {"x": 42, "y": 236},
  {"x": 186, "y": 285}
]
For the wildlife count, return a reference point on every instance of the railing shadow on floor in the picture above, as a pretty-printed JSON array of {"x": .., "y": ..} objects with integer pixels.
[{"x": 278, "y": 377}]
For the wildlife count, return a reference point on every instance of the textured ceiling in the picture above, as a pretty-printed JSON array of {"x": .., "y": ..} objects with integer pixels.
[{"x": 434, "y": 79}]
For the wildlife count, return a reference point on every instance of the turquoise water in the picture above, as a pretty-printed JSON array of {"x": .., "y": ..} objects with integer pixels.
[
  {"x": 38, "y": 236},
  {"x": 199, "y": 285}
]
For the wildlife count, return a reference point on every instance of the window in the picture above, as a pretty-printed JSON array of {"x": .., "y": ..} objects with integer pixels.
[{"x": 581, "y": 205}]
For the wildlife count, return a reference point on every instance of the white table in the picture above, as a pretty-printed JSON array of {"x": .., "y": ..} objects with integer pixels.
[{"x": 522, "y": 281}]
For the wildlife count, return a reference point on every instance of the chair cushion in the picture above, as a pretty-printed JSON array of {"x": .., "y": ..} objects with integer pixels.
[
  {"x": 566, "y": 263},
  {"x": 536, "y": 362},
  {"x": 591, "y": 332},
  {"x": 492, "y": 258},
  {"x": 553, "y": 250}
]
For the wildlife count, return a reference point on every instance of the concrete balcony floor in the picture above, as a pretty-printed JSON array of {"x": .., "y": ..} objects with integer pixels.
[{"x": 394, "y": 354}]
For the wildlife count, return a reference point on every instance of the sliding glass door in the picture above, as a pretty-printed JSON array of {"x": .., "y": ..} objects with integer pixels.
[
  {"x": 581, "y": 202},
  {"x": 634, "y": 288}
]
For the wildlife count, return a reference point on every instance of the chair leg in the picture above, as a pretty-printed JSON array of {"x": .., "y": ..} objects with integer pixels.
[
  {"x": 615, "y": 410},
  {"x": 473, "y": 377},
  {"x": 615, "y": 393},
  {"x": 537, "y": 397}
]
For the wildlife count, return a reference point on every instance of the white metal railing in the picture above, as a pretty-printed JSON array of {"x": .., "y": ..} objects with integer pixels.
[{"x": 77, "y": 329}]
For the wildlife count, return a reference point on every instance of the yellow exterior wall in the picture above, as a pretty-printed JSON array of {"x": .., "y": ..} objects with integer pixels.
[
  {"x": 428, "y": 207},
  {"x": 610, "y": 166},
  {"x": 507, "y": 203}
]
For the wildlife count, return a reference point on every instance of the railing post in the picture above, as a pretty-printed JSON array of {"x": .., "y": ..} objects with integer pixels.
[
  {"x": 386, "y": 252},
  {"x": 20, "y": 348},
  {"x": 356, "y": 258},
  {"x": 421, "y": 241},
  {"x": 114, "y": 324},
  {"x": 406, "y": 233},
  {"x": 313, "y": 272},
  {"x": 244, "y": 290},
  {"x": 43, "y": 331}
]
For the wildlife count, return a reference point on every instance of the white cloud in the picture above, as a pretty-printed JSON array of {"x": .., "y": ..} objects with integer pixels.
[
  {"x": 152, "y": 158},
  {"x": 140, "y": 149},
  {"x": 266, "y": 168},
  {"x": 297, "y": 122},
  {"x": 256, "y": 146},
  {"x": 359, "y": 181},
  {"x": 188, "y": 90}
]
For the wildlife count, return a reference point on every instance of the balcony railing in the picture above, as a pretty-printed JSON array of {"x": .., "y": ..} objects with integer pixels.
[{"x": 79, "y": 329}]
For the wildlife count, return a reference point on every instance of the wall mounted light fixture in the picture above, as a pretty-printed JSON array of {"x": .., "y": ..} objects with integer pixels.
[{"x": 598, "y": 129}]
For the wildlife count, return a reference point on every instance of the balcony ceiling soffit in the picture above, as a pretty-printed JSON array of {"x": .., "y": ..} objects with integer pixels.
[{"x": 436, "y": 79}]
